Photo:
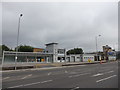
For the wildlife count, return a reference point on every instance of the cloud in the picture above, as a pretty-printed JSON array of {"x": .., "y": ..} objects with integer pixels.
[{"x": 69, "y": 24}]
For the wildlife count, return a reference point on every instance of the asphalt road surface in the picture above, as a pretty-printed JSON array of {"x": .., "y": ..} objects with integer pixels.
[{"x": 80, "y": 76}]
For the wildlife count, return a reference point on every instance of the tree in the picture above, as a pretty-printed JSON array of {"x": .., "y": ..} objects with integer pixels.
[
  {"x": 75, "y": 51},
  {"x": 5, "y": 48},
  {"x": 25, "y": 48}
]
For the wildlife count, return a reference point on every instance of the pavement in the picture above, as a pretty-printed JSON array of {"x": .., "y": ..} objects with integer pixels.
[
  {"x": 25, "y": 65},
  {"x": 103, "y": 75}
]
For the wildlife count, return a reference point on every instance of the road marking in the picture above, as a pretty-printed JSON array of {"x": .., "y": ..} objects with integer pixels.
[
  {"x": 27, "y": 76},
  {"x": 78, "y": 75},
  {"x": 110, "y": 72},
  {"x": 105, "y": 78},
  {"x": 66, "y": 71},
  {"x": 97, "y": 74},
  {"x": 75, "y": 88},
  {"x": 73, "y": 72},
  {"x": 30, "y": 75},
  {"x": 31, "y": 84},
  {"x": 79, "y": 71},
  {"x": 6, "y": 78},
  {"x": 104, "y": 69},
  {"x": 16, "y": 86},
  {"x": 49, "y": 73},
  {"x": 46, "y": 81}
]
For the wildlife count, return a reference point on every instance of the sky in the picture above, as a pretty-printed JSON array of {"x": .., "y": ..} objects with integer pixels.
[
  {"x": 71, "y": 24},
  {"x": 0, "y": 23},
  {"x": 119, "y": 26}
]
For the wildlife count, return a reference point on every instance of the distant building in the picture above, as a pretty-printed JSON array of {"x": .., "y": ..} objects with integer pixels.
[
  {"x": 52, "y": 53},
  {"x": 80, "y": 58},
  {"x": 38, "y": 50},
  {"x": 108, "y": 52},
  {"x": 107, "y": 48},
  {"x": 58, "y": 54}
]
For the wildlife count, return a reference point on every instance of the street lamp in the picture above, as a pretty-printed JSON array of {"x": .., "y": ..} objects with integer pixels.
[
  {"x": 17, "y": 39},
  {"x": 97, "y": 45}
]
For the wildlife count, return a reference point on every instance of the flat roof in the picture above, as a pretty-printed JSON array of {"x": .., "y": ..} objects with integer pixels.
[
  {"x": 50, "y": 44},
  {"x": 27, "y": 53},
  {"x": 38, "y": 48}
]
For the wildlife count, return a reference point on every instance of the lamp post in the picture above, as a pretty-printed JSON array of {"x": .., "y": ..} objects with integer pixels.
[
  {"x": 17, "y": 40},
  {"x": 97, "y": 46},
  {"x": 65, "y": 55}
]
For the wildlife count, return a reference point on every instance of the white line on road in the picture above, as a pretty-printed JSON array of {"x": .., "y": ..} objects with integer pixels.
[
  {"x": 47, "y": 81},
  {"x": 104, "y": 69},
  {"x": 27, "y": 76},
  {"x": 16, "y": 86},
  {"x": 5, "y": 78},
  {"x": 78, "y": 75},
  {"x": 109, "y": 72},
  {"x": 49, "y": 73},
  {"x": 31, "y": 84},
  {"x": 73, "y": 72},
  {"x": 75, "y": 88},
  {"x": 97, "y": 74},
  {"x": 66, "y": 71},
  {"x": 105, "y": 78}
]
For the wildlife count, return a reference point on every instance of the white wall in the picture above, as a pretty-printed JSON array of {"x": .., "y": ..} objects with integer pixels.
[
  {"x": 72, "y": 57},
  {"x": 86, "y": 57},
  {"x": 112, "y": 57},
  {"x": 53, "y": 48}
]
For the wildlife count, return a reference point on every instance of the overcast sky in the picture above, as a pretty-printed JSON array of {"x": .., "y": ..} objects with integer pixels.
[{"x": 69, "y": 24}]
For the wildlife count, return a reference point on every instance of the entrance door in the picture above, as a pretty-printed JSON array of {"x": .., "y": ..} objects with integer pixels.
[
  {"x": 97, "y": 58},
  {"x": 73, "y": 58}
]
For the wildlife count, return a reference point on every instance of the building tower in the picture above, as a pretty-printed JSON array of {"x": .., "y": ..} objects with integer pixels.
[{"x": 53, "y": 48}]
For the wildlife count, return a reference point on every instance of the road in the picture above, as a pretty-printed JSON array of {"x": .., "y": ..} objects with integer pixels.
[{"x": 80, "y": 76}]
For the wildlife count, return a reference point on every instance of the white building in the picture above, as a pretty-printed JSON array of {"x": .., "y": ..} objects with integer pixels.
[
  {"x": 80, "y": 57},
  {"x": 58, "y": 54},
  {"x": 74, "y": 58},
  {"x": 50, "y": 54},
  {"x": 87, "y": 57}
]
